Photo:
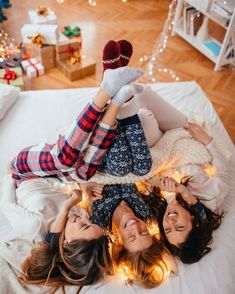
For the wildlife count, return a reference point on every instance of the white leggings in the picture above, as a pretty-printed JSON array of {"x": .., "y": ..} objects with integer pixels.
[{"x": 156, "y": 115}]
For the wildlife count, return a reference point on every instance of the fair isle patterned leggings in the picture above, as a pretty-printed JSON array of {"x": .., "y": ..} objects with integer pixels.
[{"x": 129, "y": 151}]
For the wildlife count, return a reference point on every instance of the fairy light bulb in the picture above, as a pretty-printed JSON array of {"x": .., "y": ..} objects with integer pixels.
[
  {"x": 210, "y": 170},
  {"x": 125, "y": 274},
  {"x": 153, "y": 229},
  {"x": 92, "y": 2}
]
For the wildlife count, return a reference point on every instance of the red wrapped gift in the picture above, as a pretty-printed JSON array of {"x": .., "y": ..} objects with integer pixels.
[{"x": 67, "y": 49}]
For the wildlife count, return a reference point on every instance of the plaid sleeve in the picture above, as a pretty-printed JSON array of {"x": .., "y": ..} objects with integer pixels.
[{"x": 66, "y": 154}]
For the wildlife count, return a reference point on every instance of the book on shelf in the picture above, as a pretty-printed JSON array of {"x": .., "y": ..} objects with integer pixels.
[
  {"x": 213, "y": 46},
  {"x": 196, "y": 20},
  {"x": 186, "y": 21},
  {"x": 192, "y": 20}
]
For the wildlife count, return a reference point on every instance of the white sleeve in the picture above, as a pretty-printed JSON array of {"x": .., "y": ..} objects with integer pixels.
[
  {"x": 213, "y": 189},
  {"x": 25, "y": 223}
]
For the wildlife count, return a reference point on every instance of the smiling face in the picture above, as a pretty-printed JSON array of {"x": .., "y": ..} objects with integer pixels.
[
  {"x": 177, "y": 223},
  {"x": 132, "y": 231},
  {"x": 80, "y": 227}
]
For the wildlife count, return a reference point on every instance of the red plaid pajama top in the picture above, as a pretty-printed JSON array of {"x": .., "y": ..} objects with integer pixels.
[{"x": 76, "y": 155}]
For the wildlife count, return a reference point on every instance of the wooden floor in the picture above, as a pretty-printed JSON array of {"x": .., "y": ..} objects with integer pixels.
[{"x": 139, "y": 22}]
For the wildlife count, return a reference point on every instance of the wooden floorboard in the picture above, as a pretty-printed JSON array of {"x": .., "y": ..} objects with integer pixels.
[{"x": 137, "y": 21}]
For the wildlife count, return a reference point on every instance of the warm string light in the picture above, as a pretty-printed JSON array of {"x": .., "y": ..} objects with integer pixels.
[
  {"x": 210, "y": 170},
  {"x": 125, "y": 274},
  {"x": 153, "y": 66},
  {"x": 93, "y": 2},
  {"x": 8, "y": 46},
  {"x": 153, "y": 229}
]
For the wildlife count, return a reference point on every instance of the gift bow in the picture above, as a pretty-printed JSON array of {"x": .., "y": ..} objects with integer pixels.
[
  {"x": 44, "y": 11},
  {"x": 72, "y": 32},
  {"x": 75, "y": 58},
  {"x": 9, "y": 75},
  {"x": 37, "y": 39}
]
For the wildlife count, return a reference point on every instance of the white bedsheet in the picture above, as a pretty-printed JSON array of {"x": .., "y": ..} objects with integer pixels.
[{"x": 40, "y": 116}]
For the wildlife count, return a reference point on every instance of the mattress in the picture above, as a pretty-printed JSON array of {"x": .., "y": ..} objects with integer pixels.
[{"x": 40, "y": 116}]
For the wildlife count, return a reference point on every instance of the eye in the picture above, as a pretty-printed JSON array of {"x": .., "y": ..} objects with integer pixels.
[
  {"x": 85, "y": 227},
  {"x": 180, "y": 228},
  {"x": 131, "y": 238},
  {"x": 144, "y": 233},
  {"x": 167, "y": 230}
]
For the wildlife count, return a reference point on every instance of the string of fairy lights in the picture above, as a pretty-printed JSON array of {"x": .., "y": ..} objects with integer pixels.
[{"x": 154, "y": 67}]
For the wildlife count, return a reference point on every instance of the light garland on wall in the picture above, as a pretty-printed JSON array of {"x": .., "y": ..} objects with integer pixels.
[{"x": 154, "y": 67}]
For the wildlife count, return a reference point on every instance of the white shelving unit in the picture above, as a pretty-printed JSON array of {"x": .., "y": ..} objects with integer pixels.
[{"x": 227, "y": 46}]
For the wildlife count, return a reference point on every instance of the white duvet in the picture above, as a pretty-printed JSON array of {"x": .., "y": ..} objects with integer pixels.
[{"x": 40, "y": 116}]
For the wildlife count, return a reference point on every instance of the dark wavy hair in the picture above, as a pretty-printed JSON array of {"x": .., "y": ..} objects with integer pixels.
[
  {"x": 198, "y": 240},
  {"x": 78, "y": 263}
]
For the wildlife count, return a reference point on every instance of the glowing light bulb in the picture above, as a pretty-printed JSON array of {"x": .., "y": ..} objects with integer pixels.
[
  {"x": 92, "y": 2},
  {"x": 125, "y": 274}
]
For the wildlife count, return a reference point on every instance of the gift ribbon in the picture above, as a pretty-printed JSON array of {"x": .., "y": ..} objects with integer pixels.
[
  {"x": 34, "y": 66},
  {"x": 75, "y": 58},
  {"x": 37, "y": 39},
  {"x": 70, "y": 50},
  {"x": 44, "y": 11},
  {"x": 72, "y": 32},
  {"x": 10, "y": 75}
]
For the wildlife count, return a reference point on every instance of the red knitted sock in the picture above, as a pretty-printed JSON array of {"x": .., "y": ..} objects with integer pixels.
[
  {"x": 111, "y": 55},
  {"x": 126, "y": 51}
]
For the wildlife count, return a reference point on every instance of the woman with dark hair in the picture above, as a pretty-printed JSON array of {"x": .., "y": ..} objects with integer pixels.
[{"x": 188, "y": 217}]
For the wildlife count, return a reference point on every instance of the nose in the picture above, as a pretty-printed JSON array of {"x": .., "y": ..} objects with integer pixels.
[{"x": 172, "y": 220}]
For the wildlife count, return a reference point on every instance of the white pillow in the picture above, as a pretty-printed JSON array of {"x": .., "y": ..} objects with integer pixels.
[{"x": 8, "y": 96}]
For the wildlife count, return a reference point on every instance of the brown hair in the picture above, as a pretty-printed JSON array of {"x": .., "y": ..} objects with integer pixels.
[
  {"x": 198, "y": 240},
  {"x": 78, "y": 263},
  {"x": 147, "y": 267}
]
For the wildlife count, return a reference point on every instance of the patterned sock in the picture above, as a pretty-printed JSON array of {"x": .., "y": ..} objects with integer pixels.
[
  {"x": 126, "y": 51},
  {"x": 117, "y": 161},
  {"x": 140, "y": 153},
  {"x": 111, "y": 55}
]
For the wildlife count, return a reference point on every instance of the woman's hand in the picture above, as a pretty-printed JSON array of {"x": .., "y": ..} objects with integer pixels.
[
  {"x": 198, "y": 133},
  {"x": 92, "y": 190},
  {"x": 154, "y": 181},
  {"x": 74, "y": 198},
  {"x": 170, "y": 185}
]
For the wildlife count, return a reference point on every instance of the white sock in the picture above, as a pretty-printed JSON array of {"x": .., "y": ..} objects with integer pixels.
[
  {"x": 128, "y": 109},
  {"x": 114, "y": 79},
  {"x": 125, "y": 93}
]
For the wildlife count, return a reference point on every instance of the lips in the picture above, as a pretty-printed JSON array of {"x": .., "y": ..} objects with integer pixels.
[
  {"x": 172, "y": 214},
  {"x": 130, "y": 222}
]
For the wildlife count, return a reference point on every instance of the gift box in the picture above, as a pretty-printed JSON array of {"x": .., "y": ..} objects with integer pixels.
[
  {"x": 77, "y": 71},
  {"x": 73, "y": 33},
  {"x": 66, "y": 49},
  {"x": 45, "y": 55},
  {"x": 12, "y": 77},
  {"x": 32, "y": 68},
  {"x": 42, "y": 16},
  {"x": 49, "y": 33}
]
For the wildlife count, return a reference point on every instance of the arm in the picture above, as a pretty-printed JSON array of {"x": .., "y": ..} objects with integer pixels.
[
  {"x": 62, "y": 217},
  {"x": 211, "y": 190}
]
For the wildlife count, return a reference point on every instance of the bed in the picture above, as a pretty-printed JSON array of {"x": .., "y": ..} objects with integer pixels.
[{"x": 39, "y": 116}]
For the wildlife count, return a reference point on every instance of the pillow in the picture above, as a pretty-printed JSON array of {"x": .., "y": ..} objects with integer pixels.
[{"x": 8, "y": 96}]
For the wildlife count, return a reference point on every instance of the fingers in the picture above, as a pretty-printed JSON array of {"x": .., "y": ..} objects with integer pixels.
[{"x": 168, "y": 184}]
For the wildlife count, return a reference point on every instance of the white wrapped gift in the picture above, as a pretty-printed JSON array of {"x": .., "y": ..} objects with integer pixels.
[
  {"x": 33, "y": 68},
  {"x": 49, "y": 32},
  {"x": 36, "y": 18}
]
